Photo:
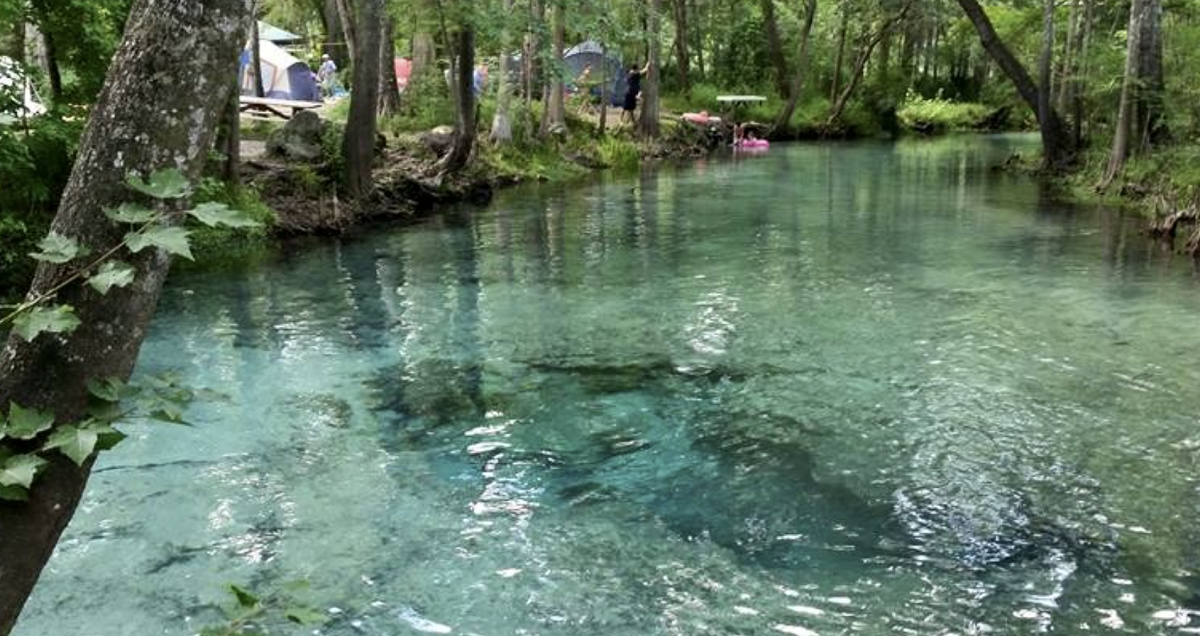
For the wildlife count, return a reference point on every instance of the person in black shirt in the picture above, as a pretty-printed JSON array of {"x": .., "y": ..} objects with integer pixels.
[{"x": 634, "y": 90}]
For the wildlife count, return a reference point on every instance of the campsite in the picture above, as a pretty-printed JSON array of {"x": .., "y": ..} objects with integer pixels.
[{"x": 599, "y": 317}]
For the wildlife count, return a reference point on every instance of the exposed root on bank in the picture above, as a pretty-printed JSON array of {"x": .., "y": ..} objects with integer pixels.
[{"x": 1169, "y": 216}]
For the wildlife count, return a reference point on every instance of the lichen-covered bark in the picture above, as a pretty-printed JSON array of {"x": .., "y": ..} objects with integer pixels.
[{"x": 159, "y": 108}]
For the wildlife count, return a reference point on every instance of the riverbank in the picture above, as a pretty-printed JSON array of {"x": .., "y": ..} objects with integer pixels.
[
  {"x": 1163, "y": 187},
  {"x": 305, "y": 199}
]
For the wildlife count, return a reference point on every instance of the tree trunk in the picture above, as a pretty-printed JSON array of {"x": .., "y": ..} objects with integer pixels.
[
  {"x": 502, "y": 120},
  {"x": 1078, "y": 133},
  {"x": 530, "y": 67},
  {"x": 1151, "y": 125},
  {"x": 52, "y": 69},
  {"x": 840, "y": 57},
  {"x": 358, "y": 144},
  {"x": 229, "y": 136},
  {"x": 1069, "y": 62},
  {"x": 648, "y": 125},
  {"x": 464, "y": 136},
  {"x": 256, "y": 54},
  {"x": 346, "y": 17},
  {"x": 783, "y": 121},
  {"x": 1126, "y": 115},
  {"x": 1045, "y": 106},
  {"x": 698, "y": 35},
  {"x": 335, "y": 36},
  {"x": 158, "y": 109},
  {"x": 1057, "y": 147},
  {"x": 424, "y": 54},
  {"x": 683, "y": 63},
  {"x": 389, "y": 88},
  {"x": 775, "y": 48},
  {"x": 860, "y": 66},
  {"x": 605, "y": 95},
  {"x": 554, "y": 118}
]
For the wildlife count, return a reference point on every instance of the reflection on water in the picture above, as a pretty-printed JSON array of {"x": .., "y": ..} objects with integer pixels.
[{"x": 870, "y": 389}]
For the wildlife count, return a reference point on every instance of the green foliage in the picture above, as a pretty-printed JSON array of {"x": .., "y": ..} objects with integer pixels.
[
  {"x": 938, "y": 115},
  {"x": 25, "y": 424},
  {"x": 59, "y": 249},
  {"x": 112, "y": 274},
  {"x": 163, "y": 399},
  {"x": 38, "y": 320}
]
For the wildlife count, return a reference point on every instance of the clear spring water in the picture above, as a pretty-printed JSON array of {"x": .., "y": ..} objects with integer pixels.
[{"x": 845, "y": 389}]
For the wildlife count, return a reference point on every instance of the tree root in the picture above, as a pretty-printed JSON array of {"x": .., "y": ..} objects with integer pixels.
[{"x": 1169, "y": 215}]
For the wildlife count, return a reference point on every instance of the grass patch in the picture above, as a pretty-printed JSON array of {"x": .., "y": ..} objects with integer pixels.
[{"x": 934, "y": 115}]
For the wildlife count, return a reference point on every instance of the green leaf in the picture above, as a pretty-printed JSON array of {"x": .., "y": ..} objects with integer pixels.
[
  {"x": 40, "y": 320},
  {"x": 107, "y": 437},
  {"x": 56, "y": 248},
  {"x": 112, "y": 274},
  {"x": 244, "y": 598},
  {"x": 131, "y": 213},
  {"x": 163, "y": 184},
  {"x": 107, "y": 389},
  {"x": 168, "y": 412},
  {"x": 19, "y": 471},
  {"x": 306, "y": 616},
  {"x": 173, "y": 240},
  {"x": 74, "y": 442},
  {"x": 215, "y": 214},
  {"x": 26, "y": 424}
]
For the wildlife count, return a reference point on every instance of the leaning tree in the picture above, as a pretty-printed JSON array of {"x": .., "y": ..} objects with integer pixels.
[{"x": 159, "y": 109}]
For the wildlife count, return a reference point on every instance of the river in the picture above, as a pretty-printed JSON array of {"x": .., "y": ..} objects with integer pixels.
[{"x": 831, "y": 389}]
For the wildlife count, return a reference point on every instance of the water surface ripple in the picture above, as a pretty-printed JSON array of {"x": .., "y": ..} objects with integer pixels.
[{"x": 836, "y": 389}]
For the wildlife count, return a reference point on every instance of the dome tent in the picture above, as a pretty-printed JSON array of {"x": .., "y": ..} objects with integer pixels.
[
  {"x": 284, "y": 76},
  {"x": 591, "y": 53}
]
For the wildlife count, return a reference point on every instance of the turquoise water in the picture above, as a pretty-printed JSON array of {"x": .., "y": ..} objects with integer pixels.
[{"x": 833, "y": 389}]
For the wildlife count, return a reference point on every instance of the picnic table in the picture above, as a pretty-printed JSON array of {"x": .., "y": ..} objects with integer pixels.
[
  {"x": 738, "y": 100},
  {"x": 285, "y": 108}
]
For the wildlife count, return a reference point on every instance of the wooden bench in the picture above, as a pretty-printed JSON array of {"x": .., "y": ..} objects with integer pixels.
[{"x": 284, "y": 108}]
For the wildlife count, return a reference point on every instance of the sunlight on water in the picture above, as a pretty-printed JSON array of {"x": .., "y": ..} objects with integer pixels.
[{"x": 865, "y": 389}]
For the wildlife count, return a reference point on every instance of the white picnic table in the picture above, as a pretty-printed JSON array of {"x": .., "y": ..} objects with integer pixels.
[
  {"x": 285, "y": 108},
  {"x": 732, "y": 102}
]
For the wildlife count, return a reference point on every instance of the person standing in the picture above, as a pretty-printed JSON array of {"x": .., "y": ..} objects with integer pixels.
[
  {"x": 327, "y": 75},
  {"x": 633, "y": 92}
]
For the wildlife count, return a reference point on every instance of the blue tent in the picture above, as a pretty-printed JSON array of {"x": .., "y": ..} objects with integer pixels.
[
  {"x": 591, "y": 53},
  {"x": 284, "y": 76}
]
